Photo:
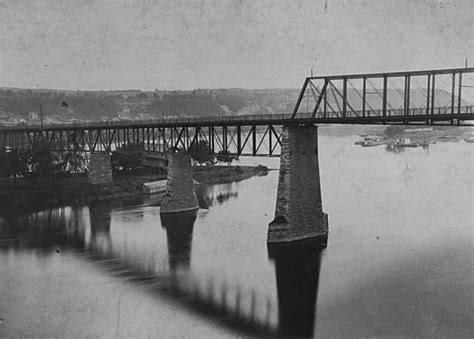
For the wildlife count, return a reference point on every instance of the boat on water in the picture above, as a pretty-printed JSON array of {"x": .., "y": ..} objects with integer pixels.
[
  {"x": 371, "y": 143},
  {"x": 406, "y": 142}
]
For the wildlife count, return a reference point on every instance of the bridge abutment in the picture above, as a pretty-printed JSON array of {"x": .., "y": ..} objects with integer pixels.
[
  {"x": 100, "y": 168},
  {"x": 180, "y": 196},
  {"x": 299, "y": 214}
]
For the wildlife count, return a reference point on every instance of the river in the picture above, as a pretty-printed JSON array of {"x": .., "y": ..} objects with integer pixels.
[{"x": 399, "y": 261}]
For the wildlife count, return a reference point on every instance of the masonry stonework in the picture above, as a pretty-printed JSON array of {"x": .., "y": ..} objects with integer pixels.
[
  {"x": 100, "y": 169},
  {"x": 298, "y": 214},
  {"x": 179, "y": 195}
]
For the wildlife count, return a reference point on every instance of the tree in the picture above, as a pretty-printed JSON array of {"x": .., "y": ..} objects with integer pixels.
[
  {"x": 16, "y": 163},
  {"x": 226, "y": 157},
  {"x": 3, "y": 163},
  {"x": 202, "y": 153},
  {"x": 128, "y": 157},
  {"x": 75, "y": 156},
  {"x": 44, "y": 161}
]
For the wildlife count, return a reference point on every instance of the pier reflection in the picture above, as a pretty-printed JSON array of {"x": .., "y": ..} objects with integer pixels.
[
  {"x": 297, "y": 268},
  {"x": 100, "y": 220},
  {"x": 179, "y": 233}
]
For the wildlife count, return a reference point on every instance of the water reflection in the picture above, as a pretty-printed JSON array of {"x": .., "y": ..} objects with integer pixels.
[
  {"x": 397, "y": 148},
  {"x": 43, "y": 231},
  {"x": 179, "y": 233},
  {"x": 297, "y": 269},
  {"x": 210, "y": 195},
  {"x": 100, "y": 220},
  {"x": 392, "y": 148},
  {"x": 87, "y": 234}
]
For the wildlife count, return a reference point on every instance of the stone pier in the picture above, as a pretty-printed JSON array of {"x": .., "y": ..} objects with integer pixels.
[
  {"x": 100, "y": 169},
  {"x": 299, "y": 213},
  {"x": 179, "y": 195}
]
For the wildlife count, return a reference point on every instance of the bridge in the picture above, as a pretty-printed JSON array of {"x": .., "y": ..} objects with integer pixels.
[
  {"x": 440, "y": 97},
  {"x": 433, "y": 97}
]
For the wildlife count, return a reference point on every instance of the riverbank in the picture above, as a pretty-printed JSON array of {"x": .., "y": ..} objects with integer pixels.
[{"x": 77, "y": 189}]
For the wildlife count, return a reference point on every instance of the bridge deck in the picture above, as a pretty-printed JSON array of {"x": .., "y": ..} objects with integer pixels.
[{"x": 442, "y": 116}]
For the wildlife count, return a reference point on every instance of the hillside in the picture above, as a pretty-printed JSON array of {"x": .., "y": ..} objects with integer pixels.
[{"x": 17, "y": 104}]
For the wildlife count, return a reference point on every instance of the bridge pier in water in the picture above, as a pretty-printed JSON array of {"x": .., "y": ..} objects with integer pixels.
[
  {"x": 180, "y": 196},
  {"x": 299, "y": 213},
  {"x": 100, "y": 168}
]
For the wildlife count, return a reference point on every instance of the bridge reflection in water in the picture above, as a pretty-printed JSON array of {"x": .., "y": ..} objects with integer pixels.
[{"x": 224, "y": 303}]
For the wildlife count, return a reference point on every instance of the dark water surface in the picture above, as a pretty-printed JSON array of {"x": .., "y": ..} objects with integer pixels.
[{"x": 399, "y": 262}]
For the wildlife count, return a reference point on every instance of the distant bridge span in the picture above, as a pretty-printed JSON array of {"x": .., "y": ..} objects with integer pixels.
[{"x": 441, "y": 97}]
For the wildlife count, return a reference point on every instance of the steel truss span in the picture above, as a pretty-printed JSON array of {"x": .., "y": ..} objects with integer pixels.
[
  {"x": 408, "y": 95},
  {"x": 444, "y": 97},
  {"x": 253, "y": 140}
]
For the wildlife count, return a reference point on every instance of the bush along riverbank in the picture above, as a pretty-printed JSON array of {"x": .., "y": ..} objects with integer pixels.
[
  {"x": 76, "y": 189},
  {"x": 51, "y": 174}
]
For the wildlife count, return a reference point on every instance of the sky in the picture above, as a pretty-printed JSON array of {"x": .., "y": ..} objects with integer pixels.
[{"x": 147, "y": 45}]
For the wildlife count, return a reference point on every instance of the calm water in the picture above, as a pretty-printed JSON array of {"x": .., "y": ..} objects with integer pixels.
[{"x": 399, "y": 262}]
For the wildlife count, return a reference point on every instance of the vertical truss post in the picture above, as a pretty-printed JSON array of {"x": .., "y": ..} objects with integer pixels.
[
  {"x": 148, "y": 138},
  {"x": 153, "y": 138},
  {"x": 212, "y": 137},
  {"x": 239, "y": 139},
  {"x": 453, "y": 89},
  {"x": 344, "y": 97},
  {"x": 384, "y": 96},
  {"x": 270, "y": 132},
  {"x": 459, "y": 92},
  {"x": 405, "y": 91},
  {"x": 164, "y": 139},
  {"x": 433, "y": 85},
  {"x": 325, "y": 108},
  {"x": 428, "y": 95},
  {"x": 406, "y": 95},
  {"x": 364, "y": 92},
  {"x": 224, "y": 138},
  {"x": 254, "y": 140}
]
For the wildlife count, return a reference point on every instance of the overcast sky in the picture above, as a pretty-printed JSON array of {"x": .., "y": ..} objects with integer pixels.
[{"x": 146, "y": 44}]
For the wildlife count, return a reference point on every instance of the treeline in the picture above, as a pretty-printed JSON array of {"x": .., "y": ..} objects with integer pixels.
[
  {"x": 185, "y": 107},
  {"x": 90, "y": 105},
  {"x": 45, "y": 161},
  {"x": 48, "y": 161},
  {"x": 202, "y": 154}
]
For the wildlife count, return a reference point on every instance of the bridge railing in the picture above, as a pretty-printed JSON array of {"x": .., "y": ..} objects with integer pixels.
[{"x": 243, "y": 118}]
